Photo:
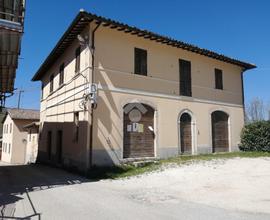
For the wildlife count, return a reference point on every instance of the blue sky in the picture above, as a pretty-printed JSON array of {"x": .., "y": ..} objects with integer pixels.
[{"x": 240, "y": 29}]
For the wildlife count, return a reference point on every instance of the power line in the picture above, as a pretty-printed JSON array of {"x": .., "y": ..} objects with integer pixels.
[{"x": 19, "y": 99}]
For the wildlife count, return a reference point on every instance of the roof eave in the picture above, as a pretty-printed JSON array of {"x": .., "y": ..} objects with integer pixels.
[
  {"x": 141, "y": 33},
  {"x": 41, "y": 70}
]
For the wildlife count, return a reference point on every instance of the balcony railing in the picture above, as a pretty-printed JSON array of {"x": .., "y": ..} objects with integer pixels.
[{"x": 12, "y": 10}]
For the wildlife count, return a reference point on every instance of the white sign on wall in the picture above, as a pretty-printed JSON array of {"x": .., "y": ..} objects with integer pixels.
[{"x": 135, "y": 127}]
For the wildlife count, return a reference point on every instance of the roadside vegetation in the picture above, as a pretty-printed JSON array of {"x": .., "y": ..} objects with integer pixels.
[
  {"x": 256, "y": 137},
  {"x": 97, "y": 173}
]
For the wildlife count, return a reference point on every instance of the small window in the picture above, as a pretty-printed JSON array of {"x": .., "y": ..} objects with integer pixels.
[
  {"x": 42, "y": 90},
  {"x": 30, "y": 135},
  {"x": 78, "y": 60},
  {"x": 9, "y": 148},
  {"x": 10, "y": 128},
  {"x": 76, "y": 130},
  {"x": 218, "y": 79},
  {"x": 51, "y": 82},
  {"x": 140, "y": 60},
  {"x": 185, "y": 78},
  {"x": 61, "y": 74},
  {"x": 7, "y": 129}
]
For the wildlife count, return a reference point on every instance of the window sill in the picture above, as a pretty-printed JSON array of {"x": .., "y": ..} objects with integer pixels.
[{"x": 141, "y": 75}]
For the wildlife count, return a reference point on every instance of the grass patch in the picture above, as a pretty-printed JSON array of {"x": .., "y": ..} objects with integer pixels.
[{"x": 97, "y": 173}]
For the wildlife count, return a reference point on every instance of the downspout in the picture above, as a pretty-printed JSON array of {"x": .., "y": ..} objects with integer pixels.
[
  {"x": 243, "y": 96},
  {"x": 91, "y": 130}
]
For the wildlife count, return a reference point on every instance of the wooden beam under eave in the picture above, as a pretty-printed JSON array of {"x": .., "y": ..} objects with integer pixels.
[
  {"x": 165, "y": 41},
  {"x": 147, "y": 37},
  {"x": 106, "y": 24},
  {"x": 121, "y": 28},
  {"x": 159, "y": 40},
  {"x": 153, "y": 38}
]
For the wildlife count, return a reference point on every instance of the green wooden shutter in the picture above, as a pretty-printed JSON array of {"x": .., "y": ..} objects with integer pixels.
[
  {"x": 185, "y": 78},
  {"x": 78, "y": 60},
  {"x": 218, "y": 79},
  {"x": 140, "y": 61}
]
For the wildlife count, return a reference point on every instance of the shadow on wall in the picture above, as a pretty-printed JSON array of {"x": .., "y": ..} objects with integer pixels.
[
  {"x": 64, "y": 144},
  {"x": 17, "y": 181},
  {"x": 107, "y": 130}
]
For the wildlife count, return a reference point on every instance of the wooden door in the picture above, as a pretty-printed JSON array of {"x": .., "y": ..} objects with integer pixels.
[
  {"x": 220, "y": 140},
  {"x": 185, "y": 133},
  {"x": 139, "y": 136}
]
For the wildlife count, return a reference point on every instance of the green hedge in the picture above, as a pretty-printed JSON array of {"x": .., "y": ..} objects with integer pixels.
[{"x": 256, "y": 137}]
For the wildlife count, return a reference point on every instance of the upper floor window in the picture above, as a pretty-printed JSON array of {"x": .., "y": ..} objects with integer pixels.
[
  {"x": 140, "y": 60},
  {"x": 51, "y": 82},
  {"x": 185, "y": 78},
  {"x": 218, "y": 79},
  {"x": 61, "y": 74},
  {"x": 42, "y": 90},
  {"x": 10, "y": 128},
  {"x": 78, "y": 60}
]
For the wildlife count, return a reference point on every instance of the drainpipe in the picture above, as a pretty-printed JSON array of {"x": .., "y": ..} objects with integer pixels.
[
  {"x": 243, "y": 96},
  {"x": 92, "y": 107}
]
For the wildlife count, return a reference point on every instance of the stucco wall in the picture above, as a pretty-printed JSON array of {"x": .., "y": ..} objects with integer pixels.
[
  {"x": 115, "y": 63},
  {"x": 17, "y": 139},
  {"x": 7, "y": 139},
  {"x": 109, "y": 125},
  {"x": 32, "y": 145}
]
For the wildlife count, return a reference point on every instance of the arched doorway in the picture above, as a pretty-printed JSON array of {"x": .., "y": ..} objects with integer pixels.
[
  {"x": 185, "y": 133},
  {"x": 220, "y": 131},
  {"x": 138, "y": 131}
]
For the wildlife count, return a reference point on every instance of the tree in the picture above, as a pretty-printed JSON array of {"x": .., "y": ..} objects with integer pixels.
[{"x": 256, "y": 110}]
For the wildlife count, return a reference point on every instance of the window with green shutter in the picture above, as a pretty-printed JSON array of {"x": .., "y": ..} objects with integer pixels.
[
  {"x": 140, "y": 62},
  {"x": 51, "y": 82},
  {"x": 78, "y": 60},
  {"x": 61, "y": 74},
  {"x": 218, "y": 79},
  {"x": 185, "y": 78}
]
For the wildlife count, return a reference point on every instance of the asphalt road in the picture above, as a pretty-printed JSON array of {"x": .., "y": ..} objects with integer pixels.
[{"x": 40, "y": 192}]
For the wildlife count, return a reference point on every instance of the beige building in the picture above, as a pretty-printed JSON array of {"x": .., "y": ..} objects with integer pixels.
[
  {"x": 151, "y": 96},
  {"x": 2, "y": 115},
  {"x": 14, "y": 135},
  {"x": 32, "y": 142}
]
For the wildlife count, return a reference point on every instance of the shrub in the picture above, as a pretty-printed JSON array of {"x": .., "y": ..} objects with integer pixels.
[{"x": 256, "y": 137}]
